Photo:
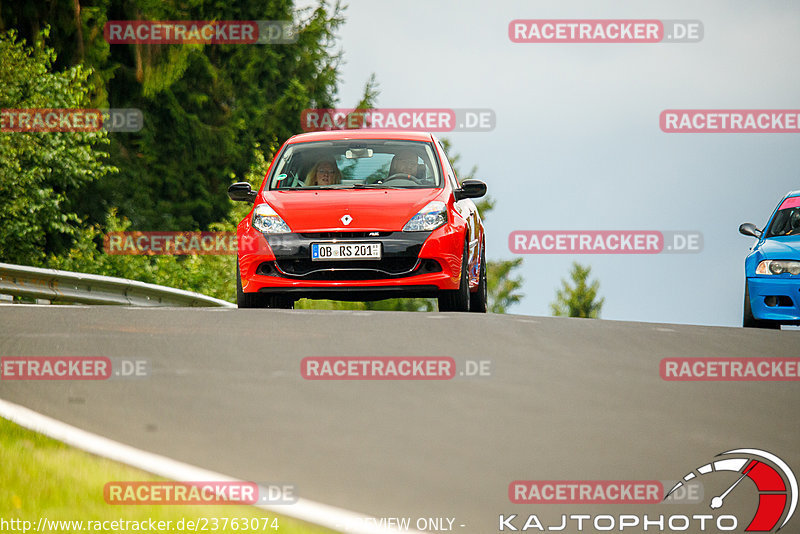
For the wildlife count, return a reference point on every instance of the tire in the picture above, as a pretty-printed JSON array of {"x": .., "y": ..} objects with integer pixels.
[
  {"x": 478, "y": 300},
  {"x": 457, "y": 300},
  {"x": 259, "y": 300},
  {"x": 279, "y": 301},
  {"x": 247, "y": 300},
  {"x": 749, "y": 320}
]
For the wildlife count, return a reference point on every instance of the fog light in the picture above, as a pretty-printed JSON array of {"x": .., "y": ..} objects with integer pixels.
[
  {"x": 778, "y": 300},
  {"x": 266, "y": 269}
]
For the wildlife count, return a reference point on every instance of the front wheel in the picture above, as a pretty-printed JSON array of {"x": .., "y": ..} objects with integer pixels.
[
  {"x": 479, "y": 299},
  {"x": 749, "y": 320},
  {"x": 247, "y": 300},
  {"x": 457, "y": 299},
  {"x": 259, "y": 300}
]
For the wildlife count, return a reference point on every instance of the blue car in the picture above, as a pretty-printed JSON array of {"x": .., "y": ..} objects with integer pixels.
[{"x": 772, "y": 269}]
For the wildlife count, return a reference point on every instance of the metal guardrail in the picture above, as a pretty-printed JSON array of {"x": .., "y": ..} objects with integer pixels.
[{"x": 68, "y": 287}]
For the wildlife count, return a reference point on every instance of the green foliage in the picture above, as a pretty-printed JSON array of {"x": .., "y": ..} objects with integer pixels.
[
  {"x": 76, "y": 34},
  {"x": 502, "y": 287},
  {"x": 213, "y": 275},
  {"x": 371, "y": 93},
  {"x": 204, "y": 106},
  {"x": 41, "y": 172},
  {"x": 580, "y": 299}
]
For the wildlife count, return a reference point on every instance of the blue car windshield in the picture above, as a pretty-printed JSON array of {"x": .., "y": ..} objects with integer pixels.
[{"x": 785, "y": 222}]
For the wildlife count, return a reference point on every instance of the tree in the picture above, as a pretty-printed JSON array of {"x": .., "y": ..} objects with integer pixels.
[
  {"x": 41, "y": 172},
  {"x": 578, "y": 300},
  {"x": 205, "y": 106},
  {"x": 503, "y": 289}
]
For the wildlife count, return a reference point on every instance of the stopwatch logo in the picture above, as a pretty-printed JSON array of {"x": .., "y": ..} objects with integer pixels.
[{"x": 777, "y": 488}]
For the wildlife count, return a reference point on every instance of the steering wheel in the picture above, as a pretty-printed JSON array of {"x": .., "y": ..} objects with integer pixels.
[{"x": 403, "y": 175}]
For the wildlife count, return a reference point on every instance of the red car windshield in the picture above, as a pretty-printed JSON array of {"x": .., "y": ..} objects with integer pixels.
[{"x": 353, "y": 164}]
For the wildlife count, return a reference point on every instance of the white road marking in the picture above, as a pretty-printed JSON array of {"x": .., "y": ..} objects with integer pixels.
[{"x": 313, "y": 512}]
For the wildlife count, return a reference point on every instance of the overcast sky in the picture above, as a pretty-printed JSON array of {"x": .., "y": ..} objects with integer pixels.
[{"x": 577, "y": 143}]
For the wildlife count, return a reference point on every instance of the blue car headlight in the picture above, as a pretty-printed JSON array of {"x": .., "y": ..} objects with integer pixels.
[
  {"x": 431, "y": 217},
  {"x": 266, "y": 220},
  {"x": 778, "y": 267}
]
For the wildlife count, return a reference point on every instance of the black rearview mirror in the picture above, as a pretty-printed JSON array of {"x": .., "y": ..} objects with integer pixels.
[
  {"x": 242, "y": 192},
  {"x": 470, "y": 189}
]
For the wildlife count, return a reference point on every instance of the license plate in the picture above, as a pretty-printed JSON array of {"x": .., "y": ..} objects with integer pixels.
[{"x": 345, "y": 251}]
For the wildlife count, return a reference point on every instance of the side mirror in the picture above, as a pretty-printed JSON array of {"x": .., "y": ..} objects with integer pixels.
[
  {"x": 470, "y": 189},
  {"x": 242, "y": 192},
  {"x": 750, "y": 229}
]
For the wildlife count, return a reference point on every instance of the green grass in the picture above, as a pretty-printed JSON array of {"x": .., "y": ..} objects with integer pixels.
[{"x": 42, "y": 477}]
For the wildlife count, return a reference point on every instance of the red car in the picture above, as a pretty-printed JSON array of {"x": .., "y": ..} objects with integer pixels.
[{"x": 361, "y": 215}]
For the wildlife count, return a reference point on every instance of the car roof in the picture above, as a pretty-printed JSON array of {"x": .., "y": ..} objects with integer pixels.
[
  {"x": 793, "y": 194},
  {"x": 371, "y": 133}
]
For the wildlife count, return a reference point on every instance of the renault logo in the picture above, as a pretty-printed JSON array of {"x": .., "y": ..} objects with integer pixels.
[{"x": 346, "y": 220}]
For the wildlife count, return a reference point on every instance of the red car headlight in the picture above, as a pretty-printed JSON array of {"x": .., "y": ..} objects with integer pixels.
[
  {"x": 266, "y": 220},
  {"x": 431, "y": 217}
]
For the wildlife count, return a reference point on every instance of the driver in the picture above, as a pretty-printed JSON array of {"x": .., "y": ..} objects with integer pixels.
[
  {"x": 794, "y": 223},
  {"x": 325, "y": 172},
  {"x": 404, "y": 162}
]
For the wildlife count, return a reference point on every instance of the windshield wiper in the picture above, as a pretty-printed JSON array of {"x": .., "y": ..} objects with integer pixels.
[
  {"x": 315, "y": 187},
  {"x": 376, "y": 186}
]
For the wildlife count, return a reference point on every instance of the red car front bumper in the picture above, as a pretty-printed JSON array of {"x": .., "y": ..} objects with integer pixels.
[{"x": 413, "y": 264}]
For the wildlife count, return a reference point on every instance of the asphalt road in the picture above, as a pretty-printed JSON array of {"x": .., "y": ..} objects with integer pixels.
[{"x": 567, "y": 399}]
